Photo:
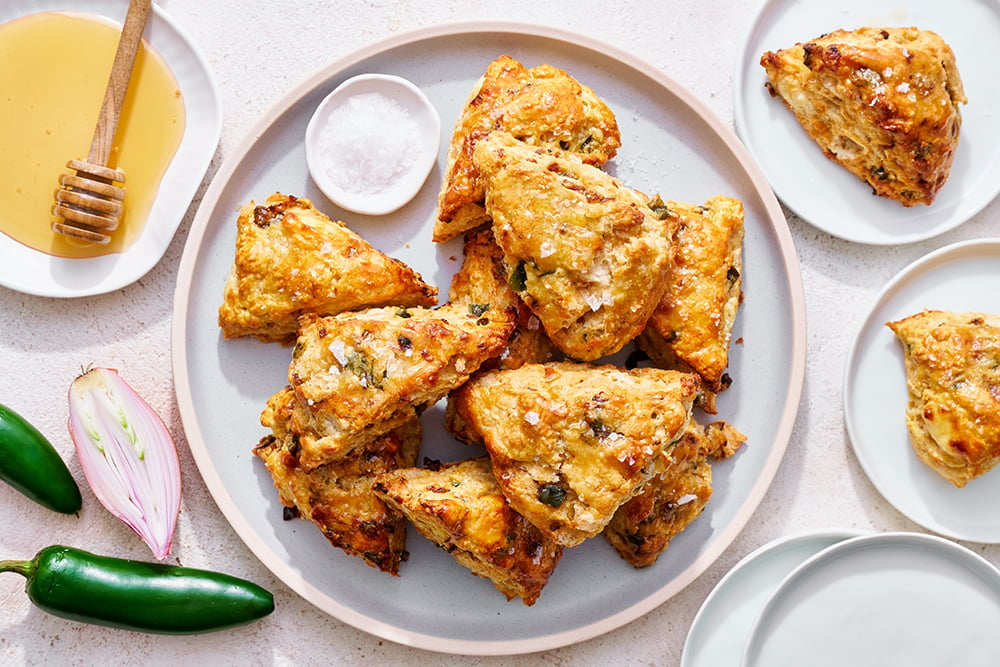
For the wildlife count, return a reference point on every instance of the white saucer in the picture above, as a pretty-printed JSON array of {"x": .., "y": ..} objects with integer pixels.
[
  {"x": 823, "y": 193},
  {"x": 961, "y": 277},
  {"x": 888, "y": 599},
  {"x": 720, "y": 630}
]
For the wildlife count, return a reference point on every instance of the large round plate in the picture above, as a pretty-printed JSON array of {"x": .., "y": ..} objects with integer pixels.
[
  {"x": 825, "y": 194},
  {"x": 672, "y": 144},
  {"x": 888, "y": 599},
  {"x": 961, "y": 277},
  {"x": 33, "y": 272},
  {"x": 722, "y": 626}
]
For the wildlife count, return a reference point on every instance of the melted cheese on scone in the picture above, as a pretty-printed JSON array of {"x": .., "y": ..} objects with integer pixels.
[
  {"x": 952, "y": 363},
  {"x": 882, "y": 102}
]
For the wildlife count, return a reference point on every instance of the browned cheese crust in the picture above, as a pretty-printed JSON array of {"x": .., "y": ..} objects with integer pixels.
[
  {"x": 642, "y": 528},
  {"x": 337, "y": 497},
  {"x": 459, "y": 507},
  {"x": 691, "y": 328},
  {"x": 584, "y": 252},
  {"x": 571, "y": 442},
  {"x": 882, "y": 102},
  {"x": 952, "y": 363},
  {"x": 359, "y": 375},
  {"x": 291, "y": 259},
  {"x": 543, "y": 106}
]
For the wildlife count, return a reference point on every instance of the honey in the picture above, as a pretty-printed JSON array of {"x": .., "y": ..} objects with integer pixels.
[{"x": 54, "y": 67}]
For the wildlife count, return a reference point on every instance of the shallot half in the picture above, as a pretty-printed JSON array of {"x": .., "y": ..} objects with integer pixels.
[{"x": 127, "y": 455}]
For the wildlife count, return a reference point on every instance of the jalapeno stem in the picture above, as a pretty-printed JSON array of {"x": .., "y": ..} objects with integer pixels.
[{"x": 25, "y": 568}]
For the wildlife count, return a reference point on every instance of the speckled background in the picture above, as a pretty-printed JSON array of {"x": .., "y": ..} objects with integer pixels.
[{"x": 258, "y": 50}]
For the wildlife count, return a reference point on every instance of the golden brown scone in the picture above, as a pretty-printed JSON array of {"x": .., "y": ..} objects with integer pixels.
[
  {"x": 690, "y": 329},
  {"x": 337, "y": 497},
  {"x": 882, "y": 102},
  {"x": 358, "y": 375},
  {"x": 459, "y": 507},
  {"x": 482, "y": 284},
  {"x": 952, "y": 365},
  {"x": 571, "y": 442},
  {"x": 292, "y": 259},
  {"x": 543, "y": 106},
  {"x": 584, "y": 252},
  {"x": 675, "y": 496}
]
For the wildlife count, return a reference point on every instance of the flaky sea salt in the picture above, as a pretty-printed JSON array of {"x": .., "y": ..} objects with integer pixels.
[{"x": 368, "y": 143}]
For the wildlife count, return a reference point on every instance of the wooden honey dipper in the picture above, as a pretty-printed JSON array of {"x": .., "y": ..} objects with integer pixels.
[{"x": 88, "y": 203}]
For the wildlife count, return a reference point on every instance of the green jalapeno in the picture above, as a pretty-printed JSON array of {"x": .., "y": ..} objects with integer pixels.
[
  {"x": 30, "y": 464},
  {"x": 135, "y": 595}
]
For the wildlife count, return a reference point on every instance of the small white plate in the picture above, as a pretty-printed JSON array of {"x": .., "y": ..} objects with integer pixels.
[
  {"x": 822, "y": 192},
  {"x": 32, "y": 272},
  {"x": 888, "y": 599},
  {"x": 961, "y": 277},
  {"x": 722, "y": 626}
]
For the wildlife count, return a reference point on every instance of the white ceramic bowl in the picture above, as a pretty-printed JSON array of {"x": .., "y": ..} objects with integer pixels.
[{"x": 398, "y": 188}]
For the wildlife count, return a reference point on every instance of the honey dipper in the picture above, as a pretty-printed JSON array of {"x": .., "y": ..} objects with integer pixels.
[{"x": 88, "y": 203}]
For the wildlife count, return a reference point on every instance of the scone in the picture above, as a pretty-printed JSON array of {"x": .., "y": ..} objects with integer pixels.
[
  {"x": 292, "y": 259},
  {"x": 572, "y": 442},
  {"x": 642, "y": 528},
  {"x": 361, "y": 374},
  {"x": 584, "y": 252},
  {"x": 543, "y": 106},
  {"x": 459, "y": 507},
  {"x": 337, "y": 497},
  {"x": 691, "y": 327},
  {"x": 882, "y": 102},
  {"x": 952, "y": 363}
]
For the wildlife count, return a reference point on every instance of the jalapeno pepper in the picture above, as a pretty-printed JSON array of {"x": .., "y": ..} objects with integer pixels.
[
  {"x": 30, "y": 464},
  {"x": 135, "y": 595}
]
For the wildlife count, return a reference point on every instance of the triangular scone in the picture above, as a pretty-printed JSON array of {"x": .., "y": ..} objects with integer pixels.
[
  {"x": 337, "y": 497},
  {"x": 952, "y": 365},
  {"x": 544, "y": 106},
  {"x": 691, "y": 327},
  {"x": 292, "y": 259},
  {"x": 571, "y": 442},
  {"x": 585, "y": 252},
  {"x": 882, "y": 102},
  {"x": 459, "y": 507},
  {"x": 675, "y": 496},
  {"x": 482, "y": 284},
  {"x": 358, "y": 375}
]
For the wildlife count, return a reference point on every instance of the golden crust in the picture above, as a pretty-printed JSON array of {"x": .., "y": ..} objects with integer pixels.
[
  {"x": 358, "y": 375},
  {"x": 585, "y": 252},
  {"x": 291, "y": 259},
  {"x": 676, "y": 495},
  {"x": 952, "y": 363},
  {"x": 571, "y": 442},
  {"x": 543, "y": 106},
  {"x": 337, "y": 497},
  {"x": 690, "y": 329},
  {"x": 459, "y": 507},
  {"x": 882, "y": 102}
]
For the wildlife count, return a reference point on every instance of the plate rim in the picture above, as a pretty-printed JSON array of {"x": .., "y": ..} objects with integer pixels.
[
  {"x": 792, "y": 389},
  {"x": 768, "y": 549},
  {"x": 919, "y": 266},
  {"x": 117, "y": 277},
  {"x": 941, "y": 547},
  {"x": 742, "y": 126}
]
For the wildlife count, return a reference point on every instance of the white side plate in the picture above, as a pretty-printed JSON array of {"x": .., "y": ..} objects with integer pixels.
[
  {"x": 961, "y": 277},
  {"x": 823, "y": 193}
]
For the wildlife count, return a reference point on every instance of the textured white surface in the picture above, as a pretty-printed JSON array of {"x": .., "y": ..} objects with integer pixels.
[{"x": 258, "y": 50}]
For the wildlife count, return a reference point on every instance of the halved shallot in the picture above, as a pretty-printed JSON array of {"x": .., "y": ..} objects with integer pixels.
[{"x": 127, "y": 455}]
